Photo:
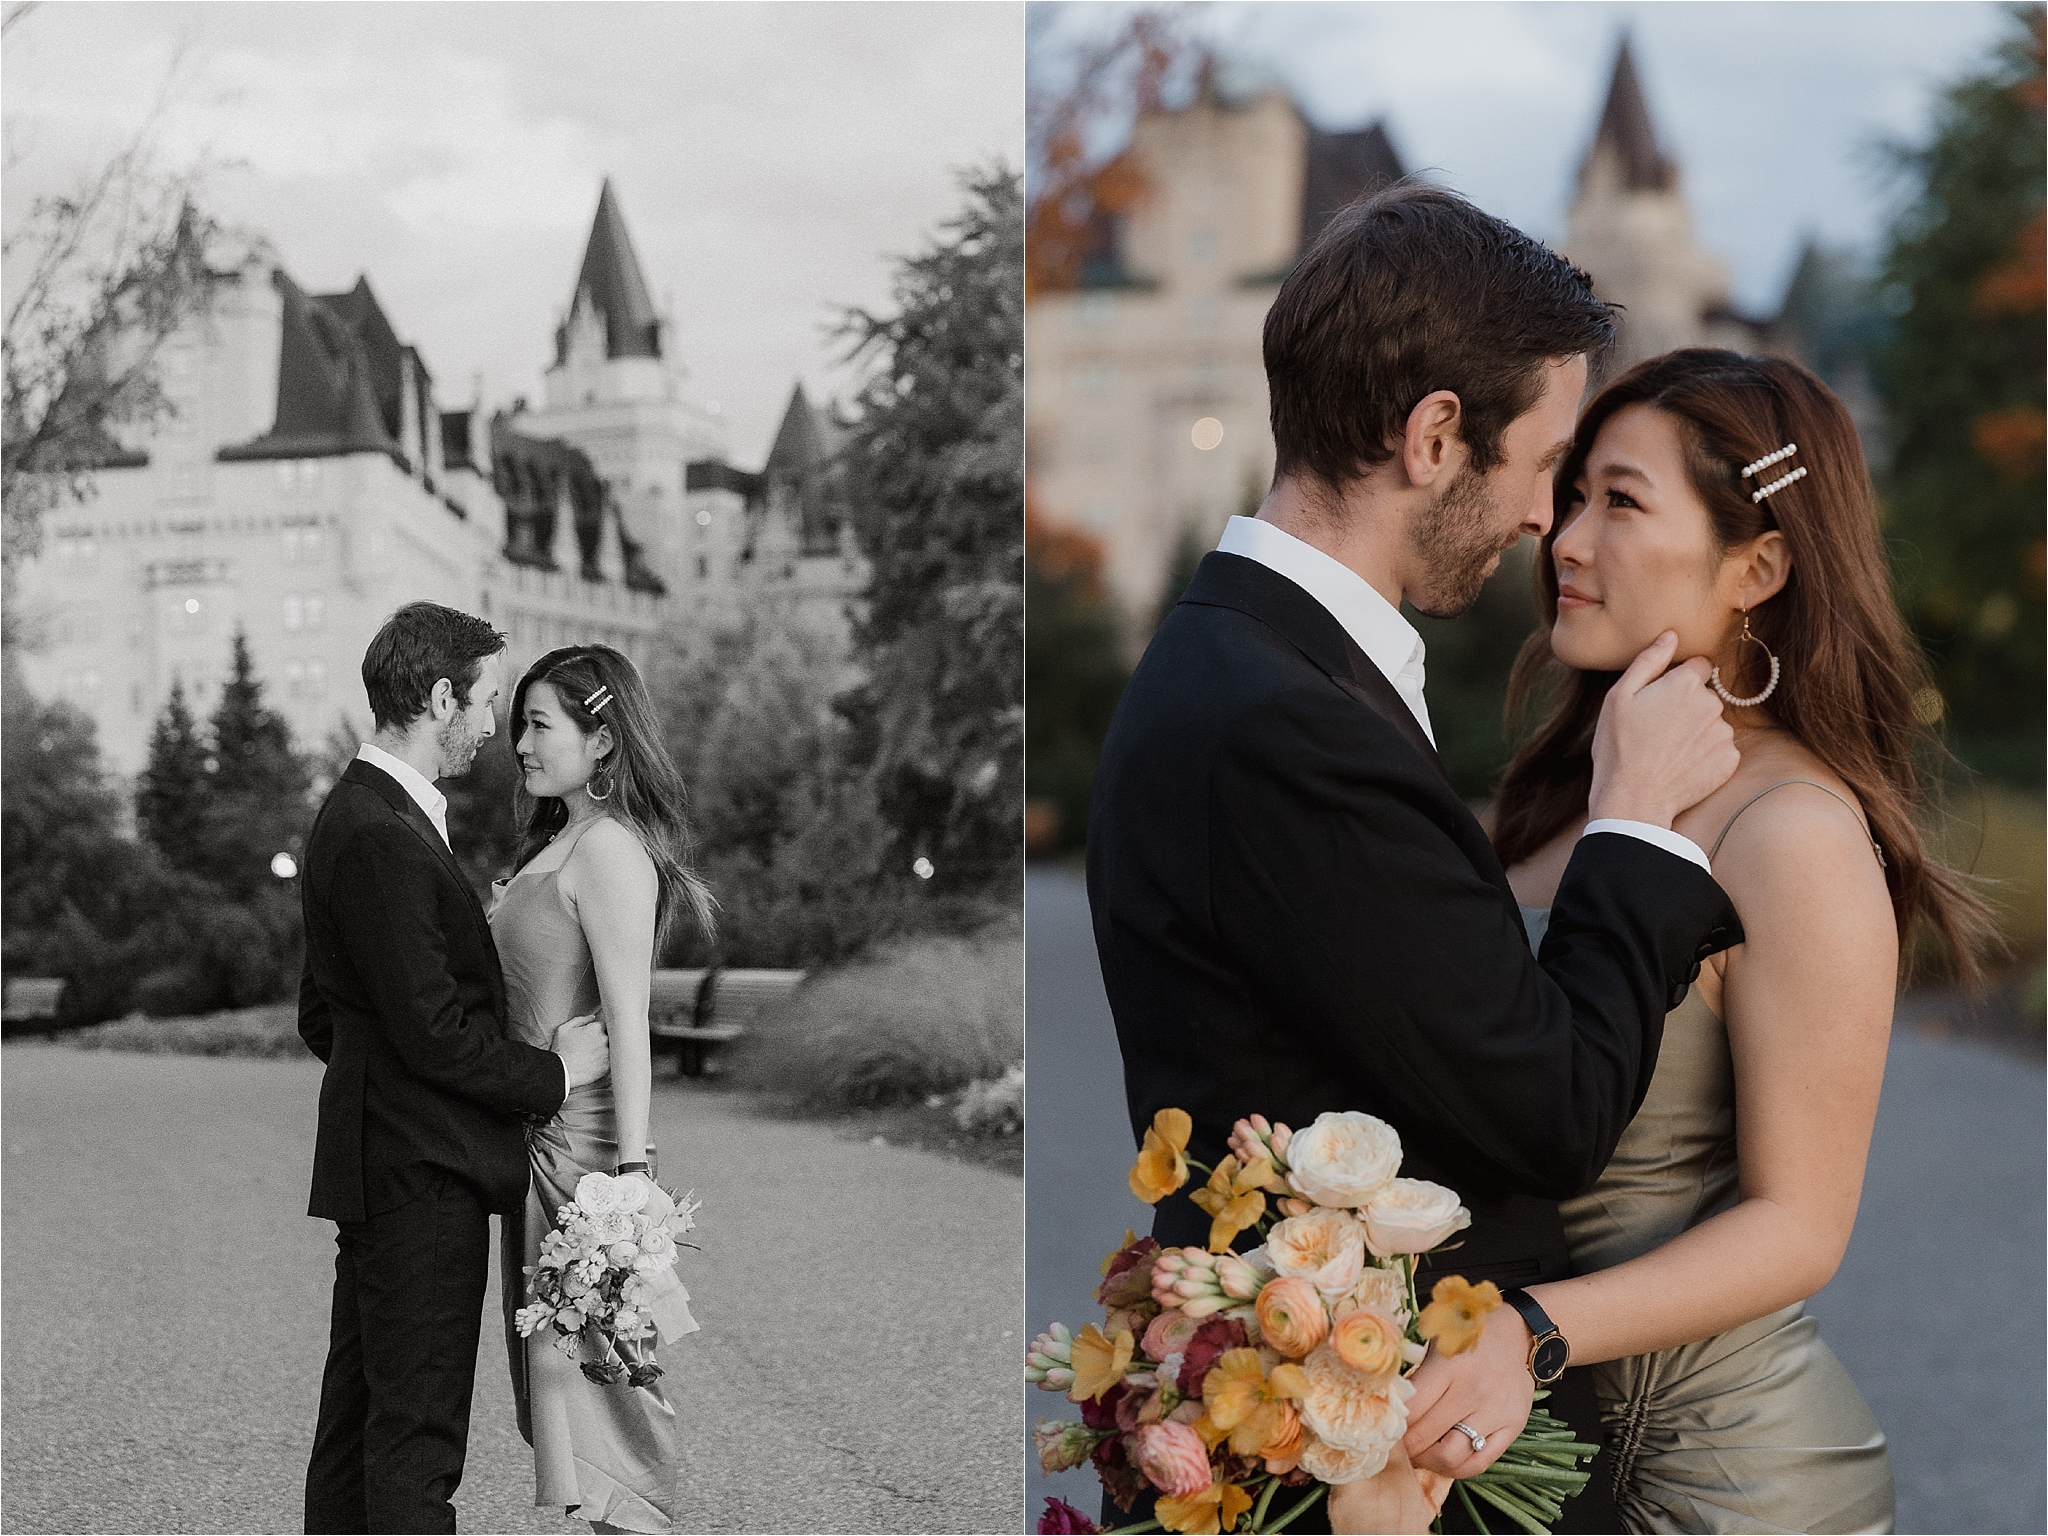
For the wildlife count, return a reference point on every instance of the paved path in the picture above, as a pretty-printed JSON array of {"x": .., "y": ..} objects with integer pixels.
[
  {"x": 166, "y": 1306},
  {"x": 1937, "y": 1311}
]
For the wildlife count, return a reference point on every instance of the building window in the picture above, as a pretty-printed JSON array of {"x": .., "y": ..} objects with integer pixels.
[
  {"x": 294, "y": 611},
  {"x": 295, "y": 678},
  {"x": 703, "y": 568},
  {"x": 316, "y": 678},
  {"x": 316, "y": 607},
  {"x": 1097, "y": 311},
  {"x": 1094, "y": 379},
  {"x": 1202, "y": 246}
]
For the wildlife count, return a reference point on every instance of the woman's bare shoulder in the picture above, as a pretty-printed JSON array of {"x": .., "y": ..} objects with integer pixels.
[{"x": 610, "y": 853}]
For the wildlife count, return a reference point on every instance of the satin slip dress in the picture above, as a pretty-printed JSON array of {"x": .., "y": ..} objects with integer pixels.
[
  {"x": 600, "y": 1452},
  {"x": 1756, "y": 1429}
]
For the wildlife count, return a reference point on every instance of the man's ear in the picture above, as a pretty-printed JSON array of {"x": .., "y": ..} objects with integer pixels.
[
  {"x": 1432, "y": 443},
  {"x": 441, "y": 702}
]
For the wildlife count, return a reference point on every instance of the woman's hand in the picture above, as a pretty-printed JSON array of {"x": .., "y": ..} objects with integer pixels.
[{"x": 1398, "y": 1498}]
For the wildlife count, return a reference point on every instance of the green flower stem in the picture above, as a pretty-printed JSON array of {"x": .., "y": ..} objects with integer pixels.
[
  {"x": 1513, "y": 1508},
  {"x": 1471, "y": 1509},
  {"x": 1133, "y": 1530},
  {"x": 1265, "y": 1503},
  {"x": 1299, "y": 1509}
]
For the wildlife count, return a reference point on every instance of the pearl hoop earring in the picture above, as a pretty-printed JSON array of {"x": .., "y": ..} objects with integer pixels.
[
  {"x": 1714, "y": 681},
  {"x": 611, "y": 780}
]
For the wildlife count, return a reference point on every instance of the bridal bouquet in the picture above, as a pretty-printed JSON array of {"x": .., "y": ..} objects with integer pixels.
[
  {"x": 601, "y": 1271},
  {"x": 1240, "y": 1386}
]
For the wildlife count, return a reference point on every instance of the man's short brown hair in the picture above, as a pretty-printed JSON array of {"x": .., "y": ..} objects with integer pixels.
[{"x": 1404, "y": 293}]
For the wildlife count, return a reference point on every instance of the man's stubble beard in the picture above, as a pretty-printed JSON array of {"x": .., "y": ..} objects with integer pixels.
[
  {"x": 457, "y": 742},
  {"x": 1457, "y": 535}
]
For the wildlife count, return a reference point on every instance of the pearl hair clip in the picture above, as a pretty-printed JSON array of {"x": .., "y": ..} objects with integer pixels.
[
  {"x": 601, "y": 695},
  {"x": 1750, "y": 471}
]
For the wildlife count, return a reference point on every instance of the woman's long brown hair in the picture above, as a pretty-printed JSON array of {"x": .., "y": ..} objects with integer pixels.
[
  {"x": 647, "y": 794},
  {"x": 1852, "y": 674}
]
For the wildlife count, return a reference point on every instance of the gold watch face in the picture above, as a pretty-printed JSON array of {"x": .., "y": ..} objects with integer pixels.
[{"x": 1547, "y": 1358}]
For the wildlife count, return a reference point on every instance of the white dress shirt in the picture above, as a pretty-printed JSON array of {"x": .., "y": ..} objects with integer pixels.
[
  {"x": 435, "y": 804},
  {"x": 1387, "y": 639},
  {"x": 414, "y": 783}
]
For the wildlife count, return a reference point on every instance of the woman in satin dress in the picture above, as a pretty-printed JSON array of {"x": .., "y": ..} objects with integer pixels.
[
  {"x": 601, "y": 875},
  {"x": 1725, "y": 498}
]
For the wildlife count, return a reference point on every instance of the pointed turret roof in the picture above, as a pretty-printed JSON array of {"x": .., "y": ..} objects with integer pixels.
[
  {"x": 332, "y": 375},
  {"x": 611, "y": 276},
  {"x": 1625, "y": 129},
  {"x": 801, "y": 442},
  {"x": 1342, "y": 167}
]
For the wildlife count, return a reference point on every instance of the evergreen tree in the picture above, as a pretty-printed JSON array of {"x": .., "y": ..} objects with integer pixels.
[
  {"x": 1962, "y": 379},
  {"x": 1073, "y": 676},
  {"x": 173, "y": 790},
  {"x": 935, "y": 475},
  {"x": 258, "y": 805}
]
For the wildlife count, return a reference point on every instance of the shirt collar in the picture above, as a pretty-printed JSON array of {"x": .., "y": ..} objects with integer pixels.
[
  {"x": 412, "y": 781},
  {"x": 1389, "y": 641}
]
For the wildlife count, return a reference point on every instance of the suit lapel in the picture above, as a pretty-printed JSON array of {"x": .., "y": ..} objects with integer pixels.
[
  {"x": 1232, "y": 581},
  {"x": 409, "y": 812}
]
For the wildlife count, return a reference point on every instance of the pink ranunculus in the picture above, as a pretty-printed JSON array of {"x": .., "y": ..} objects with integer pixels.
[
  {"x": 1172, "y": 1457},
  {"x": 1168, "y": 1334}
]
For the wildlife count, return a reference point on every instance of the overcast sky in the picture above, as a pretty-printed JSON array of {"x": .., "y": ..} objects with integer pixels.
[
  {"x": 770, "y": 158},
  {"x": 1769, "y": 109}
]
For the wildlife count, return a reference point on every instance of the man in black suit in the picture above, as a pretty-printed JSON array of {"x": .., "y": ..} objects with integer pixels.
[
  {"x": 420, "y": 1133},
  {"x": 1294, "y": 910}
]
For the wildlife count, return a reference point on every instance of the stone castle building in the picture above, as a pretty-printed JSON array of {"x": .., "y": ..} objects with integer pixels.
[
  {"x": 309, "y": 482},
  {"x": 1146, "y": 410}
]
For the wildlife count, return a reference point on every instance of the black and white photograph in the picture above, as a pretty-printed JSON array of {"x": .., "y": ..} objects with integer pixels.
[{"x": 513, "y": 767}]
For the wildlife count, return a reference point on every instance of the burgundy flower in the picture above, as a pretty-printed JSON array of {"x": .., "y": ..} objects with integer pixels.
[
  {"x": 1062, "y": 1519},
  {"x": 1127, "y": 1282},
  {"x": 1100, "y": 1413},
  {"x": 1210, "y": 1341},
  {"x": 1124, "y": 1483}
]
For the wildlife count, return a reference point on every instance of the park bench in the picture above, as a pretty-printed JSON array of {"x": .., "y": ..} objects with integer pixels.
[
  {"x": 29, "y": 1000},
  {"x": 698, "y": 1012}
]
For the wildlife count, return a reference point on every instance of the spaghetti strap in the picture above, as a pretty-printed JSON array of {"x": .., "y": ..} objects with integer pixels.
[{"x": 1752, "y": 800}]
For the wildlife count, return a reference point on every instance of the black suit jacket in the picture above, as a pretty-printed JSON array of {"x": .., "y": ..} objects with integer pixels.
[
  {"x": 1295, "y": 912},
  {"x": 403, "y": 998}
]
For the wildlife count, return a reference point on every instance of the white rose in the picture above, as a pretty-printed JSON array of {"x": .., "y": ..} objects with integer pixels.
[
  {"x": 599, "y": 1194},
  {"x": 1327, "y": 1464},
  {"x": 621, "y": 1255},
  {"x": 612, "y": 1227},
  {"x": 658, "y": 1243},
  {"x": 632, "y": 1192},
  {"x": 1345, "y": 1159},
  {"x": 1412, "y": 1216}
]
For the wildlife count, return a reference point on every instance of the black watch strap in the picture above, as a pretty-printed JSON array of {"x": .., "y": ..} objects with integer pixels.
[{"x": 1547, "y": 1359}]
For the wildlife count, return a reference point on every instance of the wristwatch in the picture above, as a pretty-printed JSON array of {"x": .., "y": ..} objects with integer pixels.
[{"x": 1548, "y": 1351}]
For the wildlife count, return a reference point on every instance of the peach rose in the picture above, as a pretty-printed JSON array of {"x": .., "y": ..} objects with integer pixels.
[
  {"x": 1368, "y": 1342},
  {"x": 1327, "y": 1464},
  {"x": 1383, "y": 1290},
  {"x": 1283, "y": 1452},
  {"x": 1349, "y": 1410},
  {"x": 1169, "y": 1334},
  {"x": 1172, "y": 1457},
  {"x": 1325, "y": 1247},
  {"x": 1291, "y": 1316}
]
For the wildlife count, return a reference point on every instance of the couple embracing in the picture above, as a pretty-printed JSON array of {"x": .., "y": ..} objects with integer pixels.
[
  {"x": 469, "y": 1071},
  {"x": 1640, "y": 1024}
]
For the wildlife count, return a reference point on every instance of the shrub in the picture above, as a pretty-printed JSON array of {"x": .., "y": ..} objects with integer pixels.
[
  {"x": 993, "y": 1106},
  {"x": 271, "y": 1032},
  {"x": 924, "y": 1016}
]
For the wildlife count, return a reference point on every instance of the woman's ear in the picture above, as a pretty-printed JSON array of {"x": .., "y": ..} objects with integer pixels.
[
  {"x": 605, "y": 742},
  {"x": 1762, "y": 570}
]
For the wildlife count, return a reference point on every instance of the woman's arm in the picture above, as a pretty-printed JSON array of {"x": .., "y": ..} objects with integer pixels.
[
  {"x": 611, "y": 883},
  {"x": 1808, "y": 1004}
]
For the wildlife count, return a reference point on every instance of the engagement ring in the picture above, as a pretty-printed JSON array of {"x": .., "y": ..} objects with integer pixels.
[{"x": 1478, "y": 1440}]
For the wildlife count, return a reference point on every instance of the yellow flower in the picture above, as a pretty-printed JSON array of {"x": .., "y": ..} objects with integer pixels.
[
  {"x": 1214, "y": 1510},
  {"x": 1456, "y": 1314},
  {"x": 1162, "y": 1165},
  {"x": 1098, "y": 1362},
  {"x": 1232, "y": 1200},
  {"x": 1248, "y": 1405}
]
